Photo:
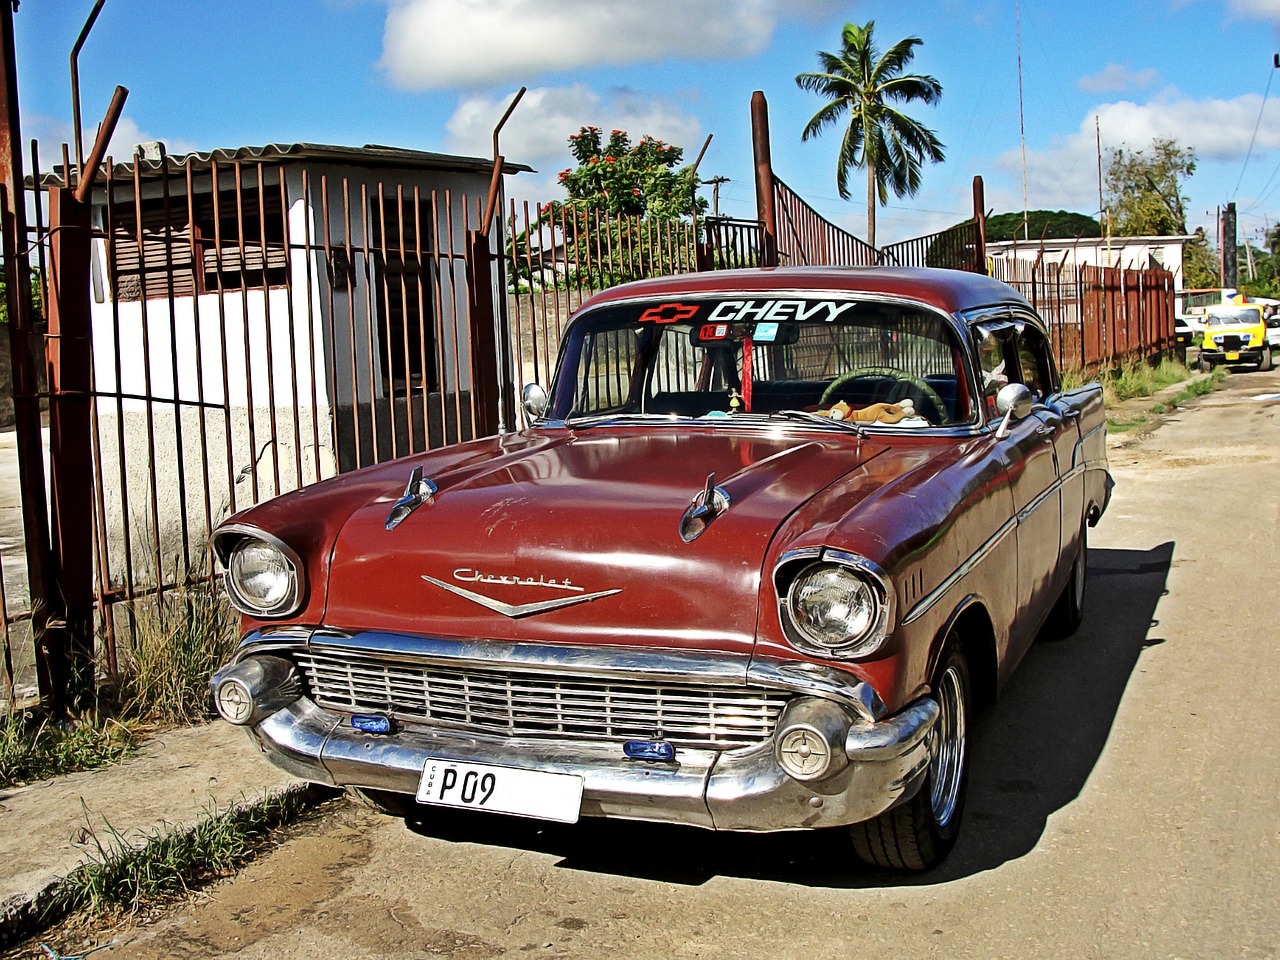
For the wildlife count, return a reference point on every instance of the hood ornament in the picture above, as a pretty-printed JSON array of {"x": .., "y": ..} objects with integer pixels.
[
  {"x": 517, "y": 610},
  {"x": 418, "y": 491},
  {"x": 704, "y": 509}
]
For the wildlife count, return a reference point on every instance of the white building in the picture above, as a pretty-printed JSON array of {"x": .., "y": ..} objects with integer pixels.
[
  {"x": 1130, "y": 253},
  {"x": 266, "y": 316}
]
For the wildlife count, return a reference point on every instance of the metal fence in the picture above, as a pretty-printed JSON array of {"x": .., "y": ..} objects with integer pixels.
[
  {"x": 558, "y": 257},
  {"x": 1096, "y": 315},
  {"x": 958, "y": 248},
  {"x": 255, "y": 327},
  {"x": 807, "y": 238}
]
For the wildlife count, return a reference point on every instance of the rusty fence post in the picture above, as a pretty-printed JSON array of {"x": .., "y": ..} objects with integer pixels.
[
  {"x": 482, "y": 334},
  {"x": 980, "y": 217},
  {"x": 70, "y": 463},
  {"x": 766, "y": 210},
  {"x": 46, "y": 609}
]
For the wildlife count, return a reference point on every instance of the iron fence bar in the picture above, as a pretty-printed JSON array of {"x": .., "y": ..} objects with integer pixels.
[
  {"x": 308, "y": 257},
  {"x": 268, "y": 327},
  {"x": 292, "y": 333},
  {"x": 113, "y": 287},
  {"x": 380, "y": 251},
  {"x": 349, "y": 268},
  {"x": 369, "y": 320},
  {"x": 170, "y": 290},
  {"x": 194, "y": 250},
  {"x": 438, "y": 290},
  {"x": 154, "y": 503},
  {"x": 244, "y": 328}
]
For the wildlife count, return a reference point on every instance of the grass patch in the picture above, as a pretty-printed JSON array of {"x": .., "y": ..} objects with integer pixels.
[
  {"x": 127, "y": 874},
  {"x": 36, "y": 749},
  {"x": 178, "y": 642},
  {"x": 1139, "y": 379}
]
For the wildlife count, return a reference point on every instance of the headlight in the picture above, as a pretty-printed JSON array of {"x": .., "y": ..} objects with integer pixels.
[
  {"x": 837, "y": 608},
  {"x": 262, "y": 579}
]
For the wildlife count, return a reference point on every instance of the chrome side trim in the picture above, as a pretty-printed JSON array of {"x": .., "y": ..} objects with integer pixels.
[{"x": 928, "y": 602}]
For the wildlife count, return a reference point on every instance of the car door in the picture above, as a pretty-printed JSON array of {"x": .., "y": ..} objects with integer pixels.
[
  {"x": 1027, "y": 451},
  {"x": 1062, "y": 413}
]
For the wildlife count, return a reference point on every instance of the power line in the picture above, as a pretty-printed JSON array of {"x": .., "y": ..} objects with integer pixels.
[{"x": 1275, "y": 63}]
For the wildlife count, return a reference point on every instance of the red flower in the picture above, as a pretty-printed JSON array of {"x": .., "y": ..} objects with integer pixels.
[
  {"x": 610, "y": 159},
  {"x": 636, "y": 191}
]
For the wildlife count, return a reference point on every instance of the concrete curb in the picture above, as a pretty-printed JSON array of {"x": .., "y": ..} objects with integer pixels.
[{"x": 25, "y": 914}]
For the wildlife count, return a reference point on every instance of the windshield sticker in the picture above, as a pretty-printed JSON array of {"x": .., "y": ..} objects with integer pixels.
[
  {"x": 766, "y": 332},
  {"x": 713, "y": 331},
  {"x": 776, "y": 310},
  {"x": 669, "y": 313}
]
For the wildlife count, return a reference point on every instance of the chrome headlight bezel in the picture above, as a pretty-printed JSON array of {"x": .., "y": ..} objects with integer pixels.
[
  {"x": 788, "y": 573},
  {"x": 229, "y": 544}
]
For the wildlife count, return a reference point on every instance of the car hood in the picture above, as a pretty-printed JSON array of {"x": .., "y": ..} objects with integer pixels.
[{"x": 574, "y": 537}]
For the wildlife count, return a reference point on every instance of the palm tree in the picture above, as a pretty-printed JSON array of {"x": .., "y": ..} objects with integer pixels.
[{"x": 865, "y": 85}]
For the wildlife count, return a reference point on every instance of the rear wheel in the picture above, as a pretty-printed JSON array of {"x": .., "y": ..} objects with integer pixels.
[
  {"x": 919, "y": 834},
  {"x": 1068, "y": 611}
]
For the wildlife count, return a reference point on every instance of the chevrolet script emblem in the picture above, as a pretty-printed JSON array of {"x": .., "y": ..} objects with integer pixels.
[{"x": 516, "y": 610}]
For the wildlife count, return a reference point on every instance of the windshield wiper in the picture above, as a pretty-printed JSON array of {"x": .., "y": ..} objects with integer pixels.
[
  {"x": 805, "y": 416},
  {"x": 599, "y": 418}
]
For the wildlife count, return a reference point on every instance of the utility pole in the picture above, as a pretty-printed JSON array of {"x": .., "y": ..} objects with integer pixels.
[
  {"x": 715, "y": 193},
  {"x": 1230, "y": 271}
]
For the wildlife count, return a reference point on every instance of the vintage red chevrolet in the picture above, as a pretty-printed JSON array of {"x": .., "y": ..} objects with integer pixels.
[{"x": 768, "y": 540}]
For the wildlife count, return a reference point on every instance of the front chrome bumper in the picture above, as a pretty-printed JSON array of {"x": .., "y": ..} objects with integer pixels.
[{"x": 742, "y": 789}]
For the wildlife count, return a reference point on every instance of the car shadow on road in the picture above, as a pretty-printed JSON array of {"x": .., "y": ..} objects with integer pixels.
[{"x": 1030, "y": 756}]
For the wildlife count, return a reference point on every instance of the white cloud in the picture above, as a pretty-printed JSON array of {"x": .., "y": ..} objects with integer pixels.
[
  {"x": 1257, "y": 9},
  {"x": 1066, "y": 174},
  {"x": 1114, "y": 78},
  {"x": 538, "y": 131},
  {"x": 52, "y": 133},
  {"x": 441, "y": 43}
]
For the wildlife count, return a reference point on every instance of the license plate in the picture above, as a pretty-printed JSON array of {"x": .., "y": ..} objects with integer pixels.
[
  {"x": 1233, "y": 356},
  {"x": 482, "y": 786}
]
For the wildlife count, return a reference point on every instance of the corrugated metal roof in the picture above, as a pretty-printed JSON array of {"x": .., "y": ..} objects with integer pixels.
[{"x": 370, "y": 155}]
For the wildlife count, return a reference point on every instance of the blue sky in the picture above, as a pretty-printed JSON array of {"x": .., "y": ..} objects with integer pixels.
[{"x": 436, "y": 75}]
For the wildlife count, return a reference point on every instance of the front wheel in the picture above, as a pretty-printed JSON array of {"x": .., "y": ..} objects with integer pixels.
[
  {"x": 919, "y": 834},
  {"x": 1205, "y": 366},
  {"x": 1264, "y": 364}
]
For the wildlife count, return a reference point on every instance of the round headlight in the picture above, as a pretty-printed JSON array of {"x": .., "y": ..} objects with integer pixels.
[
  {"x": 262, "y": 581},
  {"x": 833, "y": 607}
]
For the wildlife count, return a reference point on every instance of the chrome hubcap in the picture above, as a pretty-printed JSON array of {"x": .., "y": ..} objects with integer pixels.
[{"x": 947, "y": 766}]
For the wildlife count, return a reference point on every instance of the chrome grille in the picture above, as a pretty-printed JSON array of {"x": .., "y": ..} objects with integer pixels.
[{"x": 544, "y": 704}]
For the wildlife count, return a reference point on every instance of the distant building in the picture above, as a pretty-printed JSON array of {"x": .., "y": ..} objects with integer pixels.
[{"x": 1132, "y": 253}]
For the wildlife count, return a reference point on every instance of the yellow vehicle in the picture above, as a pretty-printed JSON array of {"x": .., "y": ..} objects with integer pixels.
[{"x": 1235, "y": 333}]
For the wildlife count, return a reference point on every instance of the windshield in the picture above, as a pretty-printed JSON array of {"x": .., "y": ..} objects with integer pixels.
[
  {"x": 848, "y": 361},
  {"x": 1229, "y": 318}
]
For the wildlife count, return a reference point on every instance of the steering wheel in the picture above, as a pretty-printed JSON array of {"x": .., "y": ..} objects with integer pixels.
[{"x": 893, "y": 373}]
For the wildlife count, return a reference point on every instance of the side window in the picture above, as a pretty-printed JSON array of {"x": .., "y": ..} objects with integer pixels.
[
  {"x": 1034, "y": 364},
  {"x": 994, "y": 367}
]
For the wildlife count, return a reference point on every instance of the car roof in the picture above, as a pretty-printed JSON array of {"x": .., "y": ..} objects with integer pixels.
[{"x": 954, "y": 291}]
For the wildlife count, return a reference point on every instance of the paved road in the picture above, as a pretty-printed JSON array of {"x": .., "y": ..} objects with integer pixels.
[{"x": 1123, "y": 804}]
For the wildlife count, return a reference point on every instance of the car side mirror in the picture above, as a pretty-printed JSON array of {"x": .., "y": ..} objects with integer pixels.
[
  {"x": 534, "y": 401},
  {"x": 1014, "y": 401}
]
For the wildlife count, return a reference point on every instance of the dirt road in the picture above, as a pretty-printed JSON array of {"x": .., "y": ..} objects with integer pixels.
[{"x": 1123, "y": 800}]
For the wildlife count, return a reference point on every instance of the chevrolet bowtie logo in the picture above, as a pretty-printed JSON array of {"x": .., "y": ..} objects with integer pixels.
[{"x": 517, "y": 610}]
